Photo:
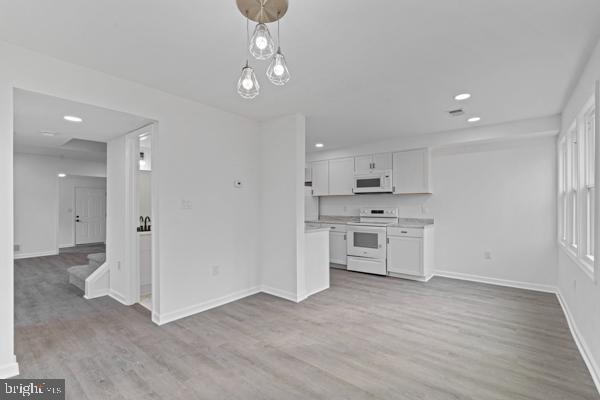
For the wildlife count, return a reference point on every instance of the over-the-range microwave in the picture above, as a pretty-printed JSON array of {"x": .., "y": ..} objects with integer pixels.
[{"x": 374, "y": 182}]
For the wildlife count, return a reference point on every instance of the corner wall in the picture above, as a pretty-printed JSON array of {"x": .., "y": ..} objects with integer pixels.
[
  {"x": 282, "y": 205},
  {"x": 200, "y": 151},
  {"x": 580, "y": 294}
]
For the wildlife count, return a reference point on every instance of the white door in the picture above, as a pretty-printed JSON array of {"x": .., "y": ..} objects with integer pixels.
[
  {"x": 382, "y": 161},
  {"x": 341, "y": 176},
  {"x": 337, "y": 247},
  {"x": 90, "y": 215},
  {"x": 320, "y": 178},
  {"x": 404, "y": 255},
  {"x": 363, "y": 164}
]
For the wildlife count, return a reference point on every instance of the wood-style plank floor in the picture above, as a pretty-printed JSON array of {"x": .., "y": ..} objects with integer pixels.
[{"x": 365, "y": 338}]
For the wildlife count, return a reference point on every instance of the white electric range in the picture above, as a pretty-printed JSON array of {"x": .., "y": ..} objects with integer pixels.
[{"x": 367, "y": 240}]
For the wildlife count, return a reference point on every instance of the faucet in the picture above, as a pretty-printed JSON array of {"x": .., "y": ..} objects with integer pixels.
[
  {"x": 141, "y": 228},
  {"x": 147, "y": 224}
]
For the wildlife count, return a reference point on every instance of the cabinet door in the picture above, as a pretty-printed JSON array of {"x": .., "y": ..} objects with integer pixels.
[
  {"x": 405, "y": 255},
  {"x": 341, "y": 176},
  {"x": 411, "y": 172},
  {"x": 337, "y": 248},
  {"x": 363, "y": 164},
  {"x": 382, "y": 161},
  {"x": 320, "y": 178}
]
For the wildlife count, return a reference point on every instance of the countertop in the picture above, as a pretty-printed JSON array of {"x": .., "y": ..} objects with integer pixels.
[
  {"x": 314, "y": 230},
  {"x": 402, "y": 222}
]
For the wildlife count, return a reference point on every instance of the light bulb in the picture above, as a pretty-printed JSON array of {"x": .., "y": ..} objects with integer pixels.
[
  {"x": 277, "y": 72},
  {"x": 248, "y": 86},
  {"x": 278, "y": 69},
  {"x": 261, "y": 46},
  {"x": 261, "y": 42}
]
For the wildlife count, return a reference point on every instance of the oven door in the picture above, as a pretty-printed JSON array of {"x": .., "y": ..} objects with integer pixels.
[{"x": 366, "y": 241}]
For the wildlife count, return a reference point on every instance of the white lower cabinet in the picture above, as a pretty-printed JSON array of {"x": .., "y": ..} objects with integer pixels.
[
  {"x": 410, "y": 252},
  {"x": 337, "y": 243}
]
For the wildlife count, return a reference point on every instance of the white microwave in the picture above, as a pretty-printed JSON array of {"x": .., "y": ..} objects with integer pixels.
[{"x": 374, "y": 182}]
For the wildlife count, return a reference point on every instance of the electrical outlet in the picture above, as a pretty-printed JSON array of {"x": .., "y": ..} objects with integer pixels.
[
  {"x": 186, "y": 204},
  {"x": 215, "y": 270},
  {"x": 17, "y": 247},
  {"x": 487, "y": 255}
]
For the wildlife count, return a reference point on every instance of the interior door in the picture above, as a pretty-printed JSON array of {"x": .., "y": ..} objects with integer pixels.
[{"x": 90, "y": 215}]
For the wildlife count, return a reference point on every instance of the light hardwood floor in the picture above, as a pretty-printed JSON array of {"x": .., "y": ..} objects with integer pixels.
[{"x": 365, "y": 338}]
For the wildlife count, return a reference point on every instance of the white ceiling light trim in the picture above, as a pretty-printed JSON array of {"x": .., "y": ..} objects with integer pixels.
[
  {"x": 319, "y": 145},
  {"x": 462, "y": 96},
  {"x": 474, "y": 119},
  {"x": 72, "y": 118}
]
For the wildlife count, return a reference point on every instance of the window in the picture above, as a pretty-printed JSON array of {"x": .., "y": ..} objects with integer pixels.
[
  {"x": 576, "y": 188},
  {"x": 589, "y": 128}
]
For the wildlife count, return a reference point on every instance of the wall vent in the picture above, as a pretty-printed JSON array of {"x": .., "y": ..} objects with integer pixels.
[{"x": 456, "y": 113}]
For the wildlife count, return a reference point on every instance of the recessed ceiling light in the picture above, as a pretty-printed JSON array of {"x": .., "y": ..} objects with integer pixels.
[
  {"x": 462, "y": 96},
  {"x": 62, "y": 175},
  {"x": 474, "y": 119},
  {"x": 72, "y": 118},
  {"x": 49, "y": 134},
  {"x": 319, "y": 145}
]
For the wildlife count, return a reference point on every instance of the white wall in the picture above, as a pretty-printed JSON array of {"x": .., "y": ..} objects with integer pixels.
[
  {"x": 282, "y": 205},
  {"x": 197, "y": 154},
  {"x": 66, "y": 204},
  {"x": 496, "y": 197},
  {"x": 581, "y": 294},
  {"x": 144, "y": 192},
  {"x": 36, "y": 191}
]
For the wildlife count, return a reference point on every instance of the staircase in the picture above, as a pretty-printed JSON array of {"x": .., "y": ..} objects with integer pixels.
[{"x": 79, "y": 273}]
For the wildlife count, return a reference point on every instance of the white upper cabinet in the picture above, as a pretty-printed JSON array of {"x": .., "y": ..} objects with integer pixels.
[
  {"x": 341, "y": 176},
  {"x": 363, "y": 164},
  {"x": 412, "y": 172},
  {"x": 373, "y": 162},
  {"x": 382, "y": 161},
  {"x": 320, "y": 178}
]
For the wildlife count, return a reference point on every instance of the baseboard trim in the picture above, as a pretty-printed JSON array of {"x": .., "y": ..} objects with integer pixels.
[
  {"x": 9, "y": 370},
  {"x": 580, "y": 342},
  {"x": 307, "y": 295},
  {"x": 284, "y": 294},
  {"x": 37, "y": 254},
  {"x": 118, "y": 297},
  {"x": 99, "y": 293},
  {"x": 162, "y": 319},
  {"x": 498, "y": 282}
]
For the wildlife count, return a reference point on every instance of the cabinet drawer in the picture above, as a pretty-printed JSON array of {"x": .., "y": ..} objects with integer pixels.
[
  {"x": 335, "y": 227},
  {"x": 407, "y": 232}
]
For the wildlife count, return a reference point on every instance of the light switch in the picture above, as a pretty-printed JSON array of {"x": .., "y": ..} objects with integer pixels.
[{"x": 186, "y": 204}]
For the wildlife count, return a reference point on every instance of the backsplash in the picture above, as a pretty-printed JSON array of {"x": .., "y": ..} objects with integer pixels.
[{"x": 409, "y": 206}]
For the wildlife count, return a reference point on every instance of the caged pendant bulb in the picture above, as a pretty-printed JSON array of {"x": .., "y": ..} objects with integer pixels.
[
  {"x": 261, "y": 45},
  {"x": 278, "y": 72},
  {"x": 248, "y": 86}
]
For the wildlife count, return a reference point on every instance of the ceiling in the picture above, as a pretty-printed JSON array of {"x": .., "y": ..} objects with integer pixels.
[
  {"x": 36, "y": 114},
  {"x": 361, "y": 71}
]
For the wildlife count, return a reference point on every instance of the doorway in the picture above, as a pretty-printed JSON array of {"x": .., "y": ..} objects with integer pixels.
[{"x": 90, "y": 215}]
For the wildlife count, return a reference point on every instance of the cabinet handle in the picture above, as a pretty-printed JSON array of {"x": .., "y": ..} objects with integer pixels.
[
  {"x": 403, "y": 231},
  {"x": 333, "y": 227},
  {"x": 345, "y": 236}
]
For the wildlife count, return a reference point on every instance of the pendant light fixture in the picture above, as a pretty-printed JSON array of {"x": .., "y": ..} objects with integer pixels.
[
  {"x": 278, "y": 72},
  {"x": 261, "y": 45},
  {"x": 248, "y": 86}
]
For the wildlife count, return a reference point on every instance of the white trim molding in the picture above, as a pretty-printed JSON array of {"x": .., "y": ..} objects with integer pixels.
[
  {"x": 284, "y": 294},
  {"x": 9, "y": 370},
  {"x": 498, "y": 282},
  {"x": 118, "y": 297},
  {"x": 36, "y": 254},
  {"x": 162, "y": 319},
  {"x": 580, "y": 342}
]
